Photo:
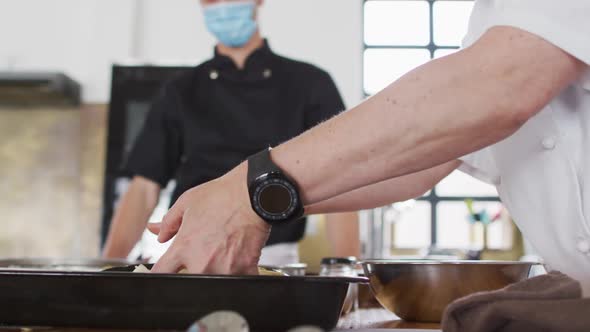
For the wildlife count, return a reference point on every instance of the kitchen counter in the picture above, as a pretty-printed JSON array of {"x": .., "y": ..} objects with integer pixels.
[{"x": 375, "y": 319}]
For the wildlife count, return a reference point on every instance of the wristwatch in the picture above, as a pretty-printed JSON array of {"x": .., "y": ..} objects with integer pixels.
[{"x": 274, "y": 195}]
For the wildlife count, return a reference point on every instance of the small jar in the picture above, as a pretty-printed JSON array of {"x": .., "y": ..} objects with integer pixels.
[{"x": 342, "y": 267}]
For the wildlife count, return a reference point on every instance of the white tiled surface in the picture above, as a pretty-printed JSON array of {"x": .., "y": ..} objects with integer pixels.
[
  {"x": 385, "y": 330},
  {"x": 365, "y": 317}
]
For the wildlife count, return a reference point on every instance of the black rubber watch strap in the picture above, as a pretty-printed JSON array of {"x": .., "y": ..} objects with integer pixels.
[
  {"x": 264, "y": 173},
  {"x": 259, "y": 164}
]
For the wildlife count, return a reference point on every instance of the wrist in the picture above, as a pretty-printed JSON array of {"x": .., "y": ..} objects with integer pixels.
[
  {"x": 237, "y": 180},
  {"x": 292, "y": 167}
]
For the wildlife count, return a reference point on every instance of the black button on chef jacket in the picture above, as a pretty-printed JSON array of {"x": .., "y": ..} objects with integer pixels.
[{"x": 213, "y": 117}]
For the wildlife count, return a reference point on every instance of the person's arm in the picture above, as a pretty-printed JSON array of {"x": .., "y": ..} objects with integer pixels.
[
  {"x": 153, "y": 161},
  {"x": 439, "y": 112},
  {"x": 342, "y": 231},
  {"x": 343, "y": 228},
  {"x": 131, "y": 217},
  {"x": 385, "y": 192}
]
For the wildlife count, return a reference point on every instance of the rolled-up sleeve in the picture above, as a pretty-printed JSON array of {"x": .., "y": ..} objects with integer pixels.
[
  {"x": 481, "y": 165},
  {"x": 565, "y": 24},
  {"x": 157, "y": 151}
]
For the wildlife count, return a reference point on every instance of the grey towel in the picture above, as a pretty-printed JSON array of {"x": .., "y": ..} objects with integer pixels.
[{"x": 547, "y": 303}]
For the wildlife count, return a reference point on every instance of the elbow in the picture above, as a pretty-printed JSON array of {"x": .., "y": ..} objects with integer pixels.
[
  {"x": 523, "y": 114},
  {"x": 514, "y": 114},
  {"x": 516, "y": 101},
  {"x": 420, "y": 191},
  {"x": 413, "y": 190}
]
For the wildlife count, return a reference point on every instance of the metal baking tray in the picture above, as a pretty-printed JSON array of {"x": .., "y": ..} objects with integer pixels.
[
  {"x": 63, "y": 264},
  {"x": 120, "y": 300}
]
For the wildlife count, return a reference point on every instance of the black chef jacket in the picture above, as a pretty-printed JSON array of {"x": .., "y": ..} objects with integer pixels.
[{"x": 208, "y": 120}]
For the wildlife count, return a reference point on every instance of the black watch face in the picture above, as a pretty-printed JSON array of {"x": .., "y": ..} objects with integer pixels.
[{"x": 275, "y": 199}]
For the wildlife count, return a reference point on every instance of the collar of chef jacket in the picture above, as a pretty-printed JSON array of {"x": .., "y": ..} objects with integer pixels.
[{"x": 258, "y": 66}]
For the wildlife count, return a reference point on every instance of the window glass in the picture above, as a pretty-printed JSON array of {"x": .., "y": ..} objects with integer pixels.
[
  {"x": 411, "y": 225},
  {"x": 454, "y": 229},
  {"x": 397, "y": 23},
  {"x": 384, "y": 66},
  {"x": 399, "y": 37},
  {"x": 439, "y": 53},
  {"x": 461, "y": 184},
  {"x": 450, "y": 20}
]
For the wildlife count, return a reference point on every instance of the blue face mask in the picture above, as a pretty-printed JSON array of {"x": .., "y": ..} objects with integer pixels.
[{"x": 232, "y": 23}]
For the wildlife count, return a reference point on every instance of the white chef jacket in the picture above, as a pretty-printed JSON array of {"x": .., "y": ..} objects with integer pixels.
[{"x": 542, "y": 172}]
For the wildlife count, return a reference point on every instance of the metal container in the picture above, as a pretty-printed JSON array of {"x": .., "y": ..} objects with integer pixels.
[
  {"x": 338, "y": 266},
  {"x": 295, "y": 269},
  {"x": 420, "y": 290},
  {"x": 342, "y": 267},
  {"x": 122, "y": 300}
]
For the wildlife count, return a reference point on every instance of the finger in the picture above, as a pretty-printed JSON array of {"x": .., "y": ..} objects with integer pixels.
[
  {"x": 223, "y": 266},
  {"x": 196, "y": 266},
  {"x": 154, "y": 227},
  {"x": 252, "y": 270},
  {"x": 247, "y": 268},
  {"x": 170, "y": 262},
  {"x": 171, "y": 223}
]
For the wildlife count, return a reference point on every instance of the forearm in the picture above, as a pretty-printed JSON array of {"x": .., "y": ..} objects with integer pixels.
[
  {"x": 131, "y": 217},
  {"x": 385, "y": 192},
  {"x": 436, "y": 113}
]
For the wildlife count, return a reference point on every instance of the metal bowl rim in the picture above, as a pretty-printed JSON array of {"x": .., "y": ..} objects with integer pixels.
[
  {"x": 286, "y": 266},
  {"x": 442, "y": 262}
]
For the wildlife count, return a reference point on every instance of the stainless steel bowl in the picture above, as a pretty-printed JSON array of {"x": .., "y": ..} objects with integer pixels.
[{"x": 420, "y": 290}]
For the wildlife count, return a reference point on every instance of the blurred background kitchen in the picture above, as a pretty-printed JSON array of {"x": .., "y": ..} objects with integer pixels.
[{"x": 77, "y": 77}]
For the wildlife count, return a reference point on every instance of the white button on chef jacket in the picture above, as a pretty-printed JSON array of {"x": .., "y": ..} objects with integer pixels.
[
  {"x": 549, "y": 143},
  {"x": 583, "y": 246},
  {"x": 542, "y": 172}
]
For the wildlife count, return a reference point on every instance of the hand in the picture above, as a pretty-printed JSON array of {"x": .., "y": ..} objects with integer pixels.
[{"x": 218, "y": 233}]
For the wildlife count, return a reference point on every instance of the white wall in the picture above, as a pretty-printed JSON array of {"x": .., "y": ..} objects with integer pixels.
[
  {"x": 78, "y": 37},
  {"x": 84, "y": 37},
  {"x": 324, "y": 32}
]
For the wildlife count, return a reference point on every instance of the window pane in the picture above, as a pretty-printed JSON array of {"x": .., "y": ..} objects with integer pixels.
[
  {"x": 412, "y": 226},
  {"x": 397, "y": 23},
  {"x": 439, "y": 53},
  {"x": 451, "y": 19},
  {"x": 383, "y": 66},
  {"x": 461, "y": 184},
  {"x": 500, "y": 233},
  {"x": 454, "y": 229}
]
